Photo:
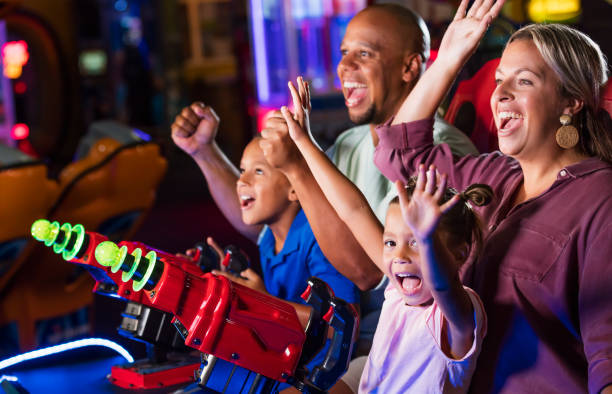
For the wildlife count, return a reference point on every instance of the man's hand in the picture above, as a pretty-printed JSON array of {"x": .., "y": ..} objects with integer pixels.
[
  {"x": 248, "y": 278},
  {"x": 194, "y": 128}
]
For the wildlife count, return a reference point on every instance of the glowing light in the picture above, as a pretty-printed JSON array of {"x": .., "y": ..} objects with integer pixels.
[
  {"x": 107, "y": 254},
  {"x": 553, "y": 11},
  {"x": 20, "y": 131},
  {"x": 14, "y": 56},
  {"x": 9, "y": 362},
  {"x": 121, "y": 5},
  {"x": 20, "y": 87},
  {"x": 8, "y": 378},
  {"x": 93, "y": 62},
  {"x": 259, "y": 42}
]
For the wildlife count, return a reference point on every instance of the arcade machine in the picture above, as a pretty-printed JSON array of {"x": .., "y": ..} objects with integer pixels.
[
  {"x": 35, "y": 82},
  {"x": 301, "y": 38},
  {"x": 219, "y": 318}
]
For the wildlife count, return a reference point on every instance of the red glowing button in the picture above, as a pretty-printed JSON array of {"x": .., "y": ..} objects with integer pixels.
[
  {"x": 20, "y": 131},
  {"x": 20, "y": 87}
]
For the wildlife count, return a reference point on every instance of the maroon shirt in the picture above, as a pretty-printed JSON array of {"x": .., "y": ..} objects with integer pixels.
[{"x": 545, "y": 273}]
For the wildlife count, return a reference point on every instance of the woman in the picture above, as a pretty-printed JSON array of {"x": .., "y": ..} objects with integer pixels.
[{"x": 544, "y": 273}]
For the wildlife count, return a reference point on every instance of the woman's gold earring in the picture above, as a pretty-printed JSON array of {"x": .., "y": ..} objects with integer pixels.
[{"x": 567, "y": 135}]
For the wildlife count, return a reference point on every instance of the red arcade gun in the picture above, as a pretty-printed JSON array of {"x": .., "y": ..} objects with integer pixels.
[{"x": 221, "y": 319}]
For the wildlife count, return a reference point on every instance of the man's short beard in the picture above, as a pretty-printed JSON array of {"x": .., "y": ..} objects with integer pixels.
[{"x": 366, "y": 118}]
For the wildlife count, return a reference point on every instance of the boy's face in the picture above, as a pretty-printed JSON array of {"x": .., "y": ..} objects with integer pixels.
[
  {"x": 264, "y": 192},
  {"x": 401, "y": 256}
]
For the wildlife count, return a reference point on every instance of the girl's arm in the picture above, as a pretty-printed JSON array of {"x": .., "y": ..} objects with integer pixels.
[
  {"x": 439, "y": 264},
  {"x": 459, "y": 42},
  {"x": 350, "y": 204}
]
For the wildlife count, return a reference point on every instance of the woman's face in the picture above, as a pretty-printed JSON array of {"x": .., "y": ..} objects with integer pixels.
[{"x": 526, "y": 103}]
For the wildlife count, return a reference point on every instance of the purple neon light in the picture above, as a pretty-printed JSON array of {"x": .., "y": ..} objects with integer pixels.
[{"x": 259, "y": 42}]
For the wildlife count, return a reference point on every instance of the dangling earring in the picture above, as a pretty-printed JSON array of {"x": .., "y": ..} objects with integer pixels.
[{"x": 567, "y": 135}]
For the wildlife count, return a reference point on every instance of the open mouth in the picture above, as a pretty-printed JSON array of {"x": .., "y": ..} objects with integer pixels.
[
  {"x": 246, "y": 201},
  {"x": 411, "y": 284},
  {"x": 354, "y": 93},
  {"x": 509, "y": 121}
]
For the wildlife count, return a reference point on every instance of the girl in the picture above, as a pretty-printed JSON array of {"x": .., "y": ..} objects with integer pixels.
[{"x": 431, "y": 327}]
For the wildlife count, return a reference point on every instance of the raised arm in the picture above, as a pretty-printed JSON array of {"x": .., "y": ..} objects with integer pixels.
[
  {"x": 408, "y": 141},
  {"x": 345, "y": 198},
  {"x": 194, "y": 131},
  {"x": 422, "y": 213},
  {"x": 459, "y": 42},
  {"x": 333, "y": 236}
]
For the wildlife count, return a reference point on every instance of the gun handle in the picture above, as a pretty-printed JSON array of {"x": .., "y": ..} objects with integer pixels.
[
  {"x": 206, "y": 257},
  {"x": 345, "y": 322}
]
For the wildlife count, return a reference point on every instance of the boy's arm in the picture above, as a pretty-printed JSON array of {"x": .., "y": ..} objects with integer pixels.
[
  {"x": 439, "y": 267},
  {"x": 194, "y": 131},
  {"x": 250, "y": 279},
  {"x": 459, "y": 42}
]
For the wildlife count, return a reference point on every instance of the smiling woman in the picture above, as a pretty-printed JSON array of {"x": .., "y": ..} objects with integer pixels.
[{"x": 543, "y": 271}]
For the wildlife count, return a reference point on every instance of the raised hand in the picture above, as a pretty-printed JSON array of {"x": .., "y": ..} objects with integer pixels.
[
  {"x": 195, "y": 127},
  {"x": 422, "y": 211},
  {"x": 467, "y": 28},
  {"x": 299, "y": 122},
  {"x": 301, "y": 108}
]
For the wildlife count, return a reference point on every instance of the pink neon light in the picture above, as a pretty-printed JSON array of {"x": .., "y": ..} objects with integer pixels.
[
  {"x": 14, "y": 56},
  {"x": 20, "y": 131}
]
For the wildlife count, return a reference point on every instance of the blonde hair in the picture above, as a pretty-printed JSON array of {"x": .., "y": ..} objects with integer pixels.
[{"x": 582, "y": 71}]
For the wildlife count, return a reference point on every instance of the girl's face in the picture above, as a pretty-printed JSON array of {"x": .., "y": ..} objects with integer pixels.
[{"x": 402, "y": 259}]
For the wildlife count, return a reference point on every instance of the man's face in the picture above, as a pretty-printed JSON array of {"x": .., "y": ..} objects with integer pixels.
[{"x": 372, "y": 67}]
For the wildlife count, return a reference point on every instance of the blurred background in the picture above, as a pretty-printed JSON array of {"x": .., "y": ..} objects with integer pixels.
[{"x": 90, "y": 88}]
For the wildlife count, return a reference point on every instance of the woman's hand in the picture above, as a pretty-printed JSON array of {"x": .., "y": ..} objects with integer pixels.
[
  {"x": 467, "y": 29},
  {"x": 422, "y": 211}
]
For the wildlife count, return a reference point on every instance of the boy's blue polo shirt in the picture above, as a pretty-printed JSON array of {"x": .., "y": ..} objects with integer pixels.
[
  {"x": 285, "y": 276},
  {"x": 286, "y": 273}
]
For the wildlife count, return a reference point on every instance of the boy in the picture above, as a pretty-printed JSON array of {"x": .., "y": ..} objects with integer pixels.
[{"x": 289, "y": 253}]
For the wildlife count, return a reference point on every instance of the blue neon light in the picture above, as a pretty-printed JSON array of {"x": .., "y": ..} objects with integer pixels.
[
  {"x": 8, "y": 378},
  {"x": 64, "y": 347}
]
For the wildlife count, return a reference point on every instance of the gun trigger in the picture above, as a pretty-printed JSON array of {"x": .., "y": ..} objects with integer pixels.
[
  {"x": 306, "y": 294},
  {"x": 196, "y": 256},
  {"x": 226, "y": 259},
  {"x": 329, "y": 314}
]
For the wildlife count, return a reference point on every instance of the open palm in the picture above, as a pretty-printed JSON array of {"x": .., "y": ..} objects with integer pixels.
[
  {"x": 422, "y": 211},
  {"x": 467, "y": 28}
]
